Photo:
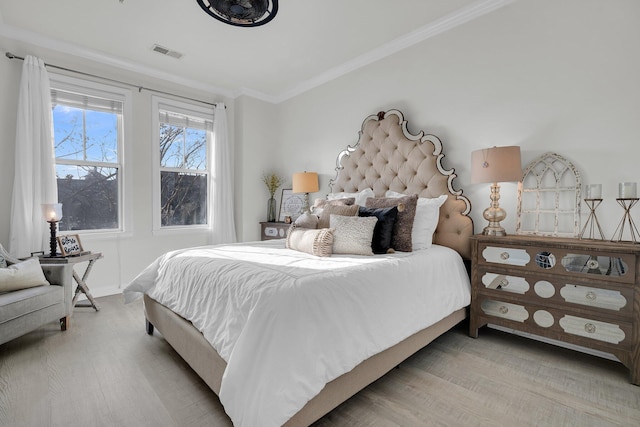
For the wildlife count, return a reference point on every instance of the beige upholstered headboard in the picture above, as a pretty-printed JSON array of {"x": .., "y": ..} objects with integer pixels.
[{"x": 388, "y": 157}]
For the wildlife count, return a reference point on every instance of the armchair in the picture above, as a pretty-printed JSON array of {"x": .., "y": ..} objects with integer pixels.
[{"x": 24, "y": 310}]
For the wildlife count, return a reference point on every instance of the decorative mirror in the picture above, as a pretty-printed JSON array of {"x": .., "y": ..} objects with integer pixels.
[{"x": 549, "y": 198}]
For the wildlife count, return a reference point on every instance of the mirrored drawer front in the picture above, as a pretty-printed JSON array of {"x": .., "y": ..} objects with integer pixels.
[
  {"x": 601, "y": 331},
  {"x": 507, "y": 256},
  {"x": 504, "y": 310},
  {"x": 505, "y": 283},
  {"x": 598, "y": 265},
  {"x": 593, "y": 297}
]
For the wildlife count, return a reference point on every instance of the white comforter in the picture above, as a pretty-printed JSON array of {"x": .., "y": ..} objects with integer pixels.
[{"x": 287, "y": 322}]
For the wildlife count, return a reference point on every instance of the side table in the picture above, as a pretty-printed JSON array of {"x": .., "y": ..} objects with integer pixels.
[
  {"x": 91, "y": 257},
  {"x": 273, "y": 230}
]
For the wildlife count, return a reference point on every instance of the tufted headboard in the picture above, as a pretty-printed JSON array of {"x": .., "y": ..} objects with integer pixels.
[{"x": 388, "y": 157}]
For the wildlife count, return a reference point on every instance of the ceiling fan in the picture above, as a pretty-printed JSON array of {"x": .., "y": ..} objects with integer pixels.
[{"x": 241, "y": 13}]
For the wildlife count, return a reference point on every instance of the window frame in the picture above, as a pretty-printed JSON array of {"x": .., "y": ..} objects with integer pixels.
[
  {"x": 161, "y": 103},
  {"x": 125, "y": 193}
]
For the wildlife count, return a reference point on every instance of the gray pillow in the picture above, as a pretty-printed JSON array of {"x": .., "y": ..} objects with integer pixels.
[{"x": 329, "y": 210}]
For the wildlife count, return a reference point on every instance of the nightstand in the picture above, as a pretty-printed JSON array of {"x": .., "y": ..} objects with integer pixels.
[
  {"x": 582, "y": 292},
  {"x": 273, "y": 230}
]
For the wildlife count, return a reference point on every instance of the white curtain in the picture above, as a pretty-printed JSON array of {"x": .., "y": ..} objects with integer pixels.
[
  {"x": 223, "y": 229},
  {"x": 35, "y": 176}
]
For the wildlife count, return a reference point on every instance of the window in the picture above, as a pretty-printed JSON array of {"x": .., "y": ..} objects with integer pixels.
[
  {"x": 183, "y": 144},
  {"x": 88, "y": 140}
]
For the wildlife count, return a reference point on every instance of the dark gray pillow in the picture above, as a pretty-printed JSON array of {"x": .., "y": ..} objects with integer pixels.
[
  {"x": 401, "y": 240},
  {"x": 383, "y": 232}
]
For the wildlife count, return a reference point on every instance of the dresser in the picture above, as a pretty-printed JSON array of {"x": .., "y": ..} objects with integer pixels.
[{"x": 583, "y": 292}]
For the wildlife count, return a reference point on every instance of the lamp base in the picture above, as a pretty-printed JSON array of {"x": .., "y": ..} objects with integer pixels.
[
  {"x": 494, "y": 214},
  {"x": 494, "y": 231}
]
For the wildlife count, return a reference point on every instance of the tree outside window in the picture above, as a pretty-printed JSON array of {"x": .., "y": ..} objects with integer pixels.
[
  {"x": 87, "y": 130},
  {"x": 184, "y": 173}
]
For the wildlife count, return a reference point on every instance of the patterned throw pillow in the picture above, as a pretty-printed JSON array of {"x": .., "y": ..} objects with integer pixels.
[
  {"x": 314, "y": 242},
  {"x": 329, "y": 210},
  {"x": 383, "y": 232},
  {"x": 3, "y": 262},
  {"x": 353, "y": 234},
  {"x": 401, "y": 240}
]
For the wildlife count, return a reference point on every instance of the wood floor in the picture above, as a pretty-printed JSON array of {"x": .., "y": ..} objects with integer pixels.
[{"x": 105, "y": 371}]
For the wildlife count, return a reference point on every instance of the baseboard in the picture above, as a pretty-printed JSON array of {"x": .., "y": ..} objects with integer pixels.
[{"x": 569, "y": 346}]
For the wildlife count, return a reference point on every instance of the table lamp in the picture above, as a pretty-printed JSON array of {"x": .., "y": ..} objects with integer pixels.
[
  {"x": 52, "y": 214},
  {"x": 495, "y": 165},
  {"x": 305, "y": 182}
]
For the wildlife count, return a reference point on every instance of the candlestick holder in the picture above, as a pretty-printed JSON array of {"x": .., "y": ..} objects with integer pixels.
[
  {"x": 592, "y": 222},
  {"x": 627, "y": 204}
]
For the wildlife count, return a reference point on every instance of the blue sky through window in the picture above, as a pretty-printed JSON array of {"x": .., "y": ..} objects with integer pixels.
[{"x": 91, "y": 138}]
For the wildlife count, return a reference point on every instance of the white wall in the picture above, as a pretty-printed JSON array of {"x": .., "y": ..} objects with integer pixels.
[{"x": 560, "y": 76}]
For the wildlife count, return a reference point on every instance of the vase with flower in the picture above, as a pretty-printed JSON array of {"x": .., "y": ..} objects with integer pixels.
[{"x": 273, "y": 181}]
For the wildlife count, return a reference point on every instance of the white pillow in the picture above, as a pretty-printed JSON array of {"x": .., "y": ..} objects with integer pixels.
[
  {"x": 352, "y": 234},
  {"x": 425, "y": 221},
  {"x": 25, "y": 274},
  {"x": 361, "y": 196}
]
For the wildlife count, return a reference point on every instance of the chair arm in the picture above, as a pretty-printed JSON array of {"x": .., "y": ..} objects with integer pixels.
[{"x": 61, "y": 275}]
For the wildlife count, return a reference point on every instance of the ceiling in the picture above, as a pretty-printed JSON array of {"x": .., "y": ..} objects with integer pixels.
[{"x": 308, "y": 43}]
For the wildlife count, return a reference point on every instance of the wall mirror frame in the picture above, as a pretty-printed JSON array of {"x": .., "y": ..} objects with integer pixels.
[{"x": 549, "y": 197}]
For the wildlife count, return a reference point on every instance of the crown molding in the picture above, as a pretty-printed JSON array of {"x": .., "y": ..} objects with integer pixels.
[
  {"x": 36, "y": 39},
  {"x": 447, "y": 22}
]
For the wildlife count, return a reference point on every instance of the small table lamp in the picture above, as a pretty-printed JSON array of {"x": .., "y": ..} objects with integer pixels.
[
  {"x": 305, "y": 182},
  {"x": 494, "y": 165},
  {"x": 52, "y": 214}
]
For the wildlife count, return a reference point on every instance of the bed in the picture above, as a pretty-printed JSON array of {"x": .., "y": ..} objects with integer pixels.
[{"x": 302, "y": 333}]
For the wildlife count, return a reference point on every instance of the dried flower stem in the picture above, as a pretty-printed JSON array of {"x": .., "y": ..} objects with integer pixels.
[{"x": 273, "y": 182}]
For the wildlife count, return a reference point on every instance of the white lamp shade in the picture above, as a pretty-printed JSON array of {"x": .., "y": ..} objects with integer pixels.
[
  {"x": 496, "y": 164},
  {"x": 52, "y": 211},
  {"x": 305, "y": 182}
]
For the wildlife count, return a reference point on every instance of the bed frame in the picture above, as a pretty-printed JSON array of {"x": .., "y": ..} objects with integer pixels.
[{"x": 386, "y": 157}]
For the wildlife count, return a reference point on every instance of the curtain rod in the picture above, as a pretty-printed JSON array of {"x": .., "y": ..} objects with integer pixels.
[{"x": 140, "y": 88}]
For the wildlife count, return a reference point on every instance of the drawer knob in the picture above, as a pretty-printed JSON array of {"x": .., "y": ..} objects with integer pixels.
[
  {"x": 504, "y": 282},
  {"x": 504, "y": 255},
  {"x": 590, "y": 328},
  {"x": 503, "y": 309},
  {"x": 591, "y": 296}
]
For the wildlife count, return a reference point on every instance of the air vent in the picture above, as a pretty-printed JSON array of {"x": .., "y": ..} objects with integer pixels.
[{"x": 167, "y": 52}]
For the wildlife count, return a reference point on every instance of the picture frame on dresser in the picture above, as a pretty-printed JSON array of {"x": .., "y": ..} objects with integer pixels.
[
  {"x": 575, "y": 292},
  {"x": 290, "y": 205}
]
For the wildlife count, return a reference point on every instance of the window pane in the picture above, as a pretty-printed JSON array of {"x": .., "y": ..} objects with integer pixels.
[
  {"x": 89, "y": 197},
  {"x": 196, "y": 150},
  {"x": 85, "y": 134},
  {"x": 183, "y": 198},
  {"x": 171, "y": 146},
  {"x": 67, "y": 126},
  {"x": 183, "y": 148}
]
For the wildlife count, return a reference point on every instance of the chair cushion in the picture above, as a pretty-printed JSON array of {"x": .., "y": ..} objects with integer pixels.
[{"x": 19, "y": 303}]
